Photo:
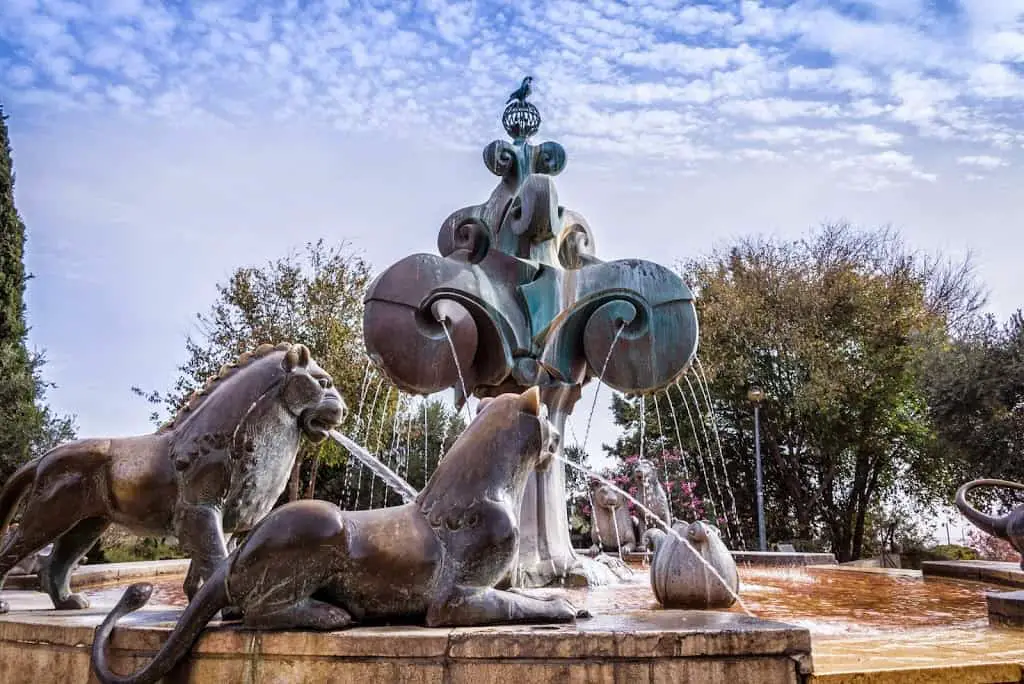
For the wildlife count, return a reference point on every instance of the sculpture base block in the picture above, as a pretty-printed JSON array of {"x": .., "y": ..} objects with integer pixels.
[
  {"x": 1005, "y": 609},
  {"x": 584, "y": 572},
  {"x": 996, "y": 572},
  {"x": 642, "y": 648}
]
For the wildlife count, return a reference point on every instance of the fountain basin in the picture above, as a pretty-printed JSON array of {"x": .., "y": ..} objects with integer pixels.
[
  {"x": 863, "y": 625},
  {"x": 86, "y": 576},
  {"x": 749, "y": 558},
  {"x": 995, "y": 572},
  {"x": 644, "y": 646}
]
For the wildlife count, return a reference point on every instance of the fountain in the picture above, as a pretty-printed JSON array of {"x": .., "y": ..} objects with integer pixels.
[
  {"x": 1005, "y": 609},
  {"x": 517, "y": 298},
  {"x": 516, "y": 304}
]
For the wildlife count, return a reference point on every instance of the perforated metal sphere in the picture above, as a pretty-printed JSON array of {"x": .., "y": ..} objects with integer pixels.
[{"x": 521, "y": 120}]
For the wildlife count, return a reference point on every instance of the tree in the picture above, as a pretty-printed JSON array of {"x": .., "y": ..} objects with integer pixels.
[
  {"x": 29, "y": 427},
  {"x": 409, "y": 445},
  {"x": 835, "y": 329},
  {"x": 992, "y": 548},
  {"x": 313, "y": 297},
  {"x": 974, "y": 388},
  {"x": 662, "y": 428}
]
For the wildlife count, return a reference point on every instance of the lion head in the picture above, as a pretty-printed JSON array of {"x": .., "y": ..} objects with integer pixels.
[
  {"x": 509, "y": 438},
  {"x": 309, "y": 394},
  {"x": 644, "y": 473},
  {"x": 271, "y": 386},
  {"x": 605, "y": 496}
]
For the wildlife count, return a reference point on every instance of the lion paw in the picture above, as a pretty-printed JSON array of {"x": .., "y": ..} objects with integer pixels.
[
  {"x": 565, "y": 610},
  {"x": 72, "y": 602},
  {"x": 229, "y": 613}
]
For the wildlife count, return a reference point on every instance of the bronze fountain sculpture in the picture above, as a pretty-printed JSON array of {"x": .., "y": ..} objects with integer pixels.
[
  {"x": 612, "y": 526},
  {"x": 517, "y": 311},
  {"x": 310, "y": 565},
  {"x": 1009, "y": 527},
  {"x": 517, "y": 298},
  {"x": 218, "y": 466},
  {"x": 651, "y": 494},
  {"x": 680, "y": 579}
]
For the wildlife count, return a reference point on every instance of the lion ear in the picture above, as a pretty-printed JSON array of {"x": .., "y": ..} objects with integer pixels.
[
  {"x": 296, "y": 357},
  {"x": 530, "y": 401}
]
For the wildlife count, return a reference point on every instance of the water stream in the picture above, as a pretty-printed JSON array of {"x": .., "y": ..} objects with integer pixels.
[
  {"x": 426, "y": 443},
  {"x": 590, "y": 420},
  {"x": 643, "y": 424},
  {"x": 380, "y": 435},
  {"x": 366, "y": 437},
  {"x": 458, "y": 368},
  {"x": 711, "y": 457},
  {"x": 679, "y": 437},
  {"x": 349, "y": 467},
  {"x": 702, "y": 382},
  {"x": 388, "y": 476},
  {"x": 600, "y": 382},
  {"x": 700, "y": 452},
  {"x": 668, "y": 528}
]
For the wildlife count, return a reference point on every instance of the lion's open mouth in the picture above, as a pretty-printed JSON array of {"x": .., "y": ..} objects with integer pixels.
[{"x": 317, "y": 423}]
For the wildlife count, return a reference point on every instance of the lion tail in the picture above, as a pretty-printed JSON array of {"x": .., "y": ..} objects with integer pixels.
[
  {"x": 201, "y": 609},
  {"x": 14, "y": 490}
]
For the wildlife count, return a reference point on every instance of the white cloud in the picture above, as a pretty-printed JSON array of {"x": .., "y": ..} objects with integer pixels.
[
  {"x": 880, "y": 170},
  {"x": 982, "y": 161},
  {"x": 687, "y": 59},
  {"x": 401, "y": 68},
  {"x": 874, "y": 136},
  {"x": 996, "y": 81},
  {"x": 236, "y": 128}
]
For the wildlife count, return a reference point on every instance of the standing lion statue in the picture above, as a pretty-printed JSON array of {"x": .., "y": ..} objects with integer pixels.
[{"x": 218, "y": 466}]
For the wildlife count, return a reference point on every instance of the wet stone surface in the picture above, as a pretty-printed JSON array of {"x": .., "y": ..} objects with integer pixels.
[{"x": 857, "y": 621}]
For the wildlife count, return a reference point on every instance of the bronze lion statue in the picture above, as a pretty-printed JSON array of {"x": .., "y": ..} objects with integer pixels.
[
  {"x": 651, "y": 493},
  {"x": 218, "y": 466},
  {"x": 310, "y": 565},
  {"x": 612, "y": 526}
]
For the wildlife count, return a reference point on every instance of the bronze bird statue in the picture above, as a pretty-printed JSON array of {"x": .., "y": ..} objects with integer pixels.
[{"x": 522, "y": 92}]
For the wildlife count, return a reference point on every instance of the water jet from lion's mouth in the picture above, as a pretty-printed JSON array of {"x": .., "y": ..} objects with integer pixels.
[{"x": 389, "y": 477}]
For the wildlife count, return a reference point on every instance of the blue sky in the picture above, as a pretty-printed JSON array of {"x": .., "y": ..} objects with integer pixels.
[{"x": 161, "y": 145}]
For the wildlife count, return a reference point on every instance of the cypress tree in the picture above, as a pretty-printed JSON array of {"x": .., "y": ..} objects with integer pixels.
[{"x": 21, "y": 420}]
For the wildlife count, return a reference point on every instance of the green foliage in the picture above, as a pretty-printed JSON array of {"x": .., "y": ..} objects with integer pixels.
[
  {"x": 316, "y": 297},
  {"x": 313, "y": 297},
  {"x": 835, "y": 328},
  {"x": 975, "y": 395},
  {"x": 29, "y": 427},
  {"x": 141, "y": 549},
  {"x": 404, "y": 442}
]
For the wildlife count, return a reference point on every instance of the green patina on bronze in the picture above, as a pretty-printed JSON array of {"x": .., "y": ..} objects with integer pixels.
[{"x": 526, "y": 302}]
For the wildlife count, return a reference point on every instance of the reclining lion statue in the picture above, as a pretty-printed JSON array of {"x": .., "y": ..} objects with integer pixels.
[
  {"x": 219, "y": 465},
  {"x": 310, "y": 565}
]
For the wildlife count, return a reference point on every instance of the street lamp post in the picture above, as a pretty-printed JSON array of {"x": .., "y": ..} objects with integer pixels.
[{"x": 756, "y": 395}]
